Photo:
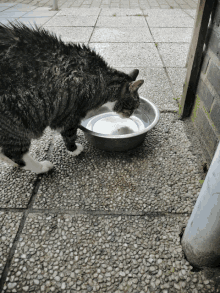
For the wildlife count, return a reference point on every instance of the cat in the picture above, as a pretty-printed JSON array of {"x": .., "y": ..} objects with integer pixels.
[{"x": 46, "y": 82}]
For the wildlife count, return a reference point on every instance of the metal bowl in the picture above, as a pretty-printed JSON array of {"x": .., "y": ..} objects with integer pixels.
[{"x": 106, "y": 130}]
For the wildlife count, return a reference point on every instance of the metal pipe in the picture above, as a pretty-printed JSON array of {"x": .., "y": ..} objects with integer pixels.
[
  {"x": 55, "y": 4},
  {"x": 201, "y": 239}
]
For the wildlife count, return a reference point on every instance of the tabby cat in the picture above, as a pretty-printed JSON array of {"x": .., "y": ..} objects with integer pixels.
[{"x": 45, "y": 82}]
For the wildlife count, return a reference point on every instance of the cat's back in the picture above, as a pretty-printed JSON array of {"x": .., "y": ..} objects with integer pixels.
[
  {"x": 27, "y": 38},
  {"x": 40, "y": 47}
]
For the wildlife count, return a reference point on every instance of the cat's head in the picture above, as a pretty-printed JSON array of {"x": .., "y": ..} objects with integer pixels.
[{"x": 129, "y": 98}]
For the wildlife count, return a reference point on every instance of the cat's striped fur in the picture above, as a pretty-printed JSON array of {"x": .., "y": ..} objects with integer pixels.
[{"x": 45, "y": 82}]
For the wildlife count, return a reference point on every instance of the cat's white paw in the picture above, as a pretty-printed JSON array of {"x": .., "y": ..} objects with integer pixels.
[
  {"x": 77, "y": 151},
  {"x": 45, "y": 167}
]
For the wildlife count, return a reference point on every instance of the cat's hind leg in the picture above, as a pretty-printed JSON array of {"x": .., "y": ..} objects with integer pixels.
[
  {"x": 19, "y": 156},
  {"x": 35, "y": 166},
  {"x": 6, "y": 159}
]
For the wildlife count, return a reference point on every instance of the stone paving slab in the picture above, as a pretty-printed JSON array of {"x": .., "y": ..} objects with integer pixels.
[
  {"x": 40, "y": 13},
  {"x": 73, "y": 20},
  {"x": 177, "y": 76},
  {"x": 123, "y": 181},
  {"x": 164, "y": 13},
  {"x": 120, "y": 12},
  {"x": 81, "y": 11},
  {"x": 31, "y": 21},
  {"x": 9, "y": 223},
  {"x": 174, "y": 54},
  {"x": 7, "y": 4},
  {"x": 42, "y": 8},
  {"x": 123, "y": 21},
  {"x": 6, "y": 21},
  {"x": 172, "y": 35},
  {"x": 72, "y": 34},
  {"x": 16, "y": 185},
  {"x": 121, "y": 35},
  {"x": 8, "y": 14},
  {"x": 178, "y": 19},
  {"x": 21, "y": 7},
  {"x": 129, "y": 54},
  {"x": 87, "y": 253},
  {"x": 191, "y": 12}
]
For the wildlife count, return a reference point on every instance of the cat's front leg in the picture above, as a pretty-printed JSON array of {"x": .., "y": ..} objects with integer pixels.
[{"x": 69, "y": 137}]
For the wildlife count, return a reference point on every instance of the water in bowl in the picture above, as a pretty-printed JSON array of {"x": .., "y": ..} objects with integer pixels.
[{"x": 112, "y": 124}]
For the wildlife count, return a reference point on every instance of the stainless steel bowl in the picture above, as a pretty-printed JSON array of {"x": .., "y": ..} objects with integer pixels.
[{"x": 106, "y": 130}]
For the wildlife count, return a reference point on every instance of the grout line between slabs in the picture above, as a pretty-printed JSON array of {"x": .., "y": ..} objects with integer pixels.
[
  {"x": 21, "y": 225},
  {"x": 93, "y": 212},
  {"x": 94, "y": 26},
  {"x": 20, "y": 228},
  {"x": 164, "y": 66},
  {"x": 189, "y": 14}
]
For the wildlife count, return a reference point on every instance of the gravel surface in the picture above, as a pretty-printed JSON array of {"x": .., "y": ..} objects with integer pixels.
[
  {"x": 86, "y": 253},
  {"x": 123, "y": 181},
  {"x": 9, "y": 223}
]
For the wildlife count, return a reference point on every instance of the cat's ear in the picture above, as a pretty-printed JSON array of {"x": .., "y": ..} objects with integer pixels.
[
  {"x": 134, "y": 73},
  {"x": 135, "y": 85}
]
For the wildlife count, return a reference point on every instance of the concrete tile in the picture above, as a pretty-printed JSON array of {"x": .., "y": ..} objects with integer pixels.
[
  {"x": 80, "y": 252},
  {"x": 114, "y": 5},
  {"x": 5, "y": 21},
  {"x": 174, "y": 54},
  {"x": 120, "y": 12},
  {"x": 39, "y": 14},
  {"x": 42, "y": 8},
  {"x": 72, "y": 34},
  {"x": 80, "y": 11},
  {"x": 11, "y": 14},
  {"x": 121, "y": 35},
  {"x": 22, "y": 7},
  {"x": 123, "y": 21},
  {"x": 193, "y": 4},
  {"x": 16, "y": 185},
  {"x": 2, "y": 8},
  {"x": 168, "y": 18},
  {"x": 173, "y": 5},
  {"x": 30, "y": 21},
  {"x": 129, "y": 55},
  {"x": 9, "y": 227},
  {"x": 177, "y": 76},
  {"x": 185, "y": 6},
  {"x": 7, "y": 4},
  {"x": 165, "y": 6},
  {"x": 172, "y": 35},
  {"x": 156, "y": 87},
  {"x": 191, "y": 12},
  {"x": 73, "y": 21}
]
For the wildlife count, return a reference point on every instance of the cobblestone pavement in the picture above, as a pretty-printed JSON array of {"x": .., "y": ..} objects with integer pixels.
[{"x": 108, "y": 222}]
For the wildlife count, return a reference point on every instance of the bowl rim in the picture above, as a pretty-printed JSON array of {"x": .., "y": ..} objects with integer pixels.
[{"x": 155, "y": 121}]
